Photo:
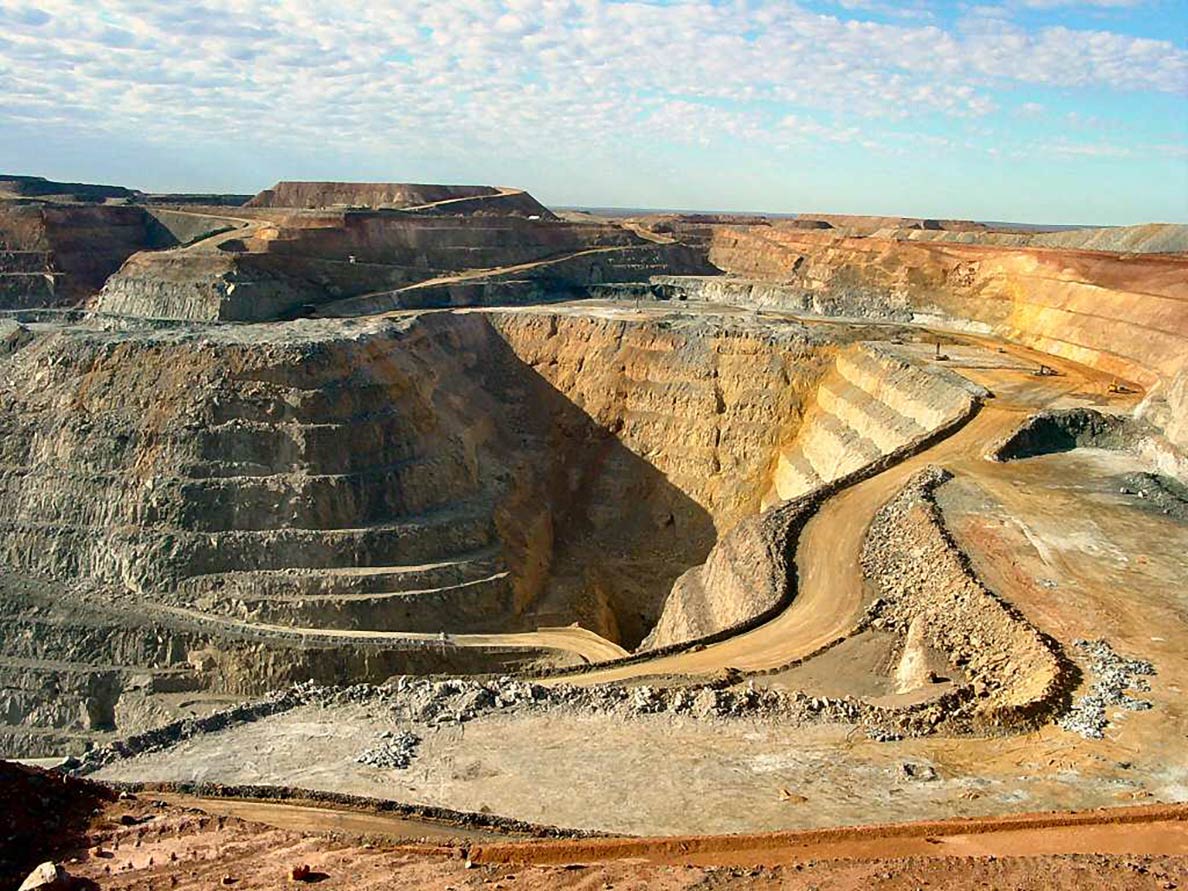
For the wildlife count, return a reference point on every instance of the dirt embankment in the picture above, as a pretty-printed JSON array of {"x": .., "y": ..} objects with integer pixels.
[
  {"x": 926, "y": 586},
  {"x": 151, "y": 839},
  {"x": 45, "y": 816}
]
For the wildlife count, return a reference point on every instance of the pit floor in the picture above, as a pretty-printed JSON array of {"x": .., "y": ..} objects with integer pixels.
[
  {"x": 1053, "y": 535},
  {"x": 1107, "y": 567}
]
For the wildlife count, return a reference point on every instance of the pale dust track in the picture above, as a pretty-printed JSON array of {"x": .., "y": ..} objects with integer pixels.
[{"x": 829, "y": 579}]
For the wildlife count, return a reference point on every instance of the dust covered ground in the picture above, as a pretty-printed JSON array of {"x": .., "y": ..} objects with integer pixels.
[{"x": 152, "y": 840}]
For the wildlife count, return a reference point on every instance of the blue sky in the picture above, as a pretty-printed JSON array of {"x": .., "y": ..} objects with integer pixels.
[{"x": 1029, "y": 110}]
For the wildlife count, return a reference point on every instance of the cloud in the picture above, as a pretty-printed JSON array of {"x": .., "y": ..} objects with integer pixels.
[
  {"x": 1101, "y": 4},
  {"x": 513, "y": 75}
]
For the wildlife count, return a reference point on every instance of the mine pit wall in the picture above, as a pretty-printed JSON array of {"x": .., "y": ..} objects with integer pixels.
[
  {"x": 243, "y": 470},
  {"x": 180, "y": 455},
  {"x": 169, "y": 228},
  {"x": 568, "y": 278},
  {"x": 1125, "y": 315},
  {"x": 1122, "y": 314},
  {"x": 304, "y": 260},
  {"x": 872, "y": 409},
  {"x": 669, "y": 447},
  {"x": 445, "y": 472},
  {"x": 449, "y": 198},
  {"x": 328, "y": 194},
  {"x": 57, "y": 255}
]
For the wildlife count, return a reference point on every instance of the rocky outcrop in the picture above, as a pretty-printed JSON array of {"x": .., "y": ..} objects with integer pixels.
[
  {"x": 1062, "y": 430},
  {"x": 451, "y": 199}
]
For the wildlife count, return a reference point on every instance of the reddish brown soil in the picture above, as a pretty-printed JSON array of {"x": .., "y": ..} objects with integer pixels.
[
  {"x": 43, "y": 815},
  {"x": 146, "y": 843}
]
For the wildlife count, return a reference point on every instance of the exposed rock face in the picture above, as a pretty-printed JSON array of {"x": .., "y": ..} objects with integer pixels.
[
  {"x": 1148, "y": 238},
  {"x": 871, "y": 404},
  {"x": 1067, "y": 429},
  {"x": 367, "y": 262},
  {"x": 447, "y": 472},
  {"x": 757, "y": 292},
  {"x": 870, "y": 408},
  {"x": 1166, "y": 407},
  {"x": 1126, "y": 316},
  {"x": 56, "y": 255},
  {"x": 186, "y": 453},
  {"x": 1149, "y": 435},
  {"x": 697, "y": 409},
  {"x": 747, "y": 576},
  {"x": 40, "y": 187},
  {"x": 441, "y": 198}
]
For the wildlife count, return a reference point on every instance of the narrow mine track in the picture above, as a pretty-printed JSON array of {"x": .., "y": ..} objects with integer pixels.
[
  {"x": 501, "y": 192},
  {"x": 830, "y": 586},
  {"x": 470, "y": 275},
  {"x": 585, "y": 644}
]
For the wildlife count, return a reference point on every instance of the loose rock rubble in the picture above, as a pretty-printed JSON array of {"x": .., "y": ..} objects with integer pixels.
[
  {"x": 438, "y": 702},
  {"x": 395, "y": 750},
  {"x": 1014, "y": 674},
  {"x": 1159, "y": 492},
  {"x": 1112, "y": 676}
]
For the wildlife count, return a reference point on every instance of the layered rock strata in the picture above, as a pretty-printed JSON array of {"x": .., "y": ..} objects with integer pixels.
[
  {"x": 404, "y": 196},
  {"x": 437, "y": 473},
  {"x": 870, "y": 409},
  {"x": 361, "y": 262},
  {"x": 1126, "y": 315},
  {"x": 56, "y": 255}
]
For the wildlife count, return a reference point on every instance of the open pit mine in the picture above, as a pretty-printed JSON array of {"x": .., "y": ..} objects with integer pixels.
[{"x": 367, "y": 512}]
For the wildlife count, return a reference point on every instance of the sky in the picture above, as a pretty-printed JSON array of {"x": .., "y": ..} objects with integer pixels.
[{"x": 1050, "y": 111}]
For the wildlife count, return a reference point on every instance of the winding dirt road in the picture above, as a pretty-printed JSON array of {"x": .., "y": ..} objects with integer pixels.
[
  {"x": 831, "y": 591},
  {"x": 830, "y": 586}
]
